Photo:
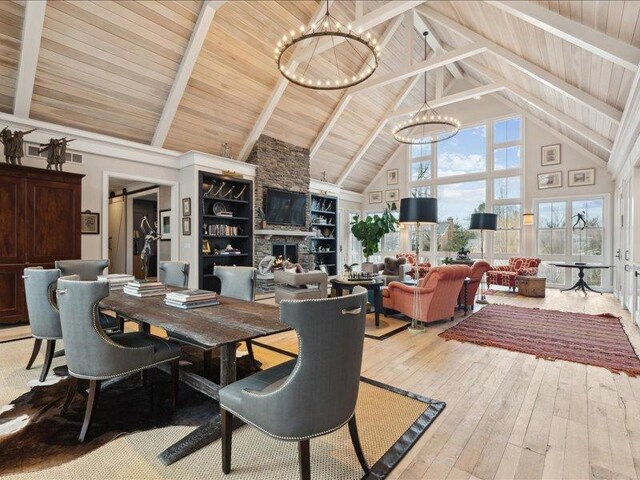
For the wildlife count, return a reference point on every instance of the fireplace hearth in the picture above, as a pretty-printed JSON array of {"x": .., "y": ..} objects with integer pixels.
[{"x": 289, "y": 251}]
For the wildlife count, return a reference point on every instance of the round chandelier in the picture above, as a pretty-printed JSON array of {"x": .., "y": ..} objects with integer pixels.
[
  {"x": 334, "y": 67},
  {"x": 418, "y": 129}
]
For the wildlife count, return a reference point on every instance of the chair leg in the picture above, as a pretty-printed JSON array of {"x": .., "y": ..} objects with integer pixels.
[
  {"x": 175, "y": 382},
  {"x": 252, "y": 358},
  {"x": 355, "y": 439},
  {"x": 71, "y": 392},
  {"x": 304, "y": 454},
  {"x": 92, "y": 402},
  {"x": 36, "y": 349},
  {"x": 226, "y": 420},
  {"x": 121, "y": 322},
  {"x": 48, "y": 357}
]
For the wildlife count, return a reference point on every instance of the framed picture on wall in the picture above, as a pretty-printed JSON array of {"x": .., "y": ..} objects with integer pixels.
[
  {"x": 392, "y": 195},
  {"x": 90, "y": 223},
  {"x": 375, "y": 197},
  {"x": 186, "y": 207},
  {"x": 392, "y": 176},
  {"x": 186, "y": 226},
  {"x": 583, "y": 177},
  {"x": 165, "y": 225},
  {"x": 550, "y": 155},
  {"x": 549, "y": 180}
]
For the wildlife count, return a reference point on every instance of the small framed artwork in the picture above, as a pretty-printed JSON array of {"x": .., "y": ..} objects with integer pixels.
[
  {"x": 90, "y": 223},
  {"x": 165, "y": 225},
  {"x": 583, "y": 177},
  {"x": 392, "y": 195},
  {"x": 186, "y": 207},
  {"x": 206, "y": 246},
  {"x": 549, "y": 180},
  {"x": 186, "y": 226},
  {"x": 392, "y": 176},
  {"x": 550, "y": 155},
  {"x": 375, "y": 197}
]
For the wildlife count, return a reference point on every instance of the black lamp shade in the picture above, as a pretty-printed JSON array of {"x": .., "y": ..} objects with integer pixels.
[
  {"x": 423, "y": 210},
  {"x": 484, "y": 221}
]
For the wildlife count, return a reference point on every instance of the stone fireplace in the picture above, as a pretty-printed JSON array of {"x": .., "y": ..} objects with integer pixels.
[{"x": 289, "y": 251}]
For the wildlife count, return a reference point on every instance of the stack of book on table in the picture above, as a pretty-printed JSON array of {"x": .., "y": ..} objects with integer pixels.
[
  {"x": 116, "y": 281},
  {"x": 191, "y": 299},
  {"x": 142, "y": 288}
]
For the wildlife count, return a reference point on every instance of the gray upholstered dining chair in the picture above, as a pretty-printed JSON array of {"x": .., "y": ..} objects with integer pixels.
[
  {"x": 312, "y": 395},
  {"x": 39, "y": 287},
  {"x": 175, "y": 274},
  {"x": 94, "y": 356}
]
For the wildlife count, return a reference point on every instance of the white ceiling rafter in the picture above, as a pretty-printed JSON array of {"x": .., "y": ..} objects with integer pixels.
[
  {"x": 189, "y": 59},
  {"x": 628, "y": 134},
  {"x": 529, "y": 68},
  {"x": 33, "y": 23},
  {"x": 346, "y": 98},
  {"x": 420, "y": 25},
  {"x": 587, "y": 38},
  {"x": 366, "y": 22}
]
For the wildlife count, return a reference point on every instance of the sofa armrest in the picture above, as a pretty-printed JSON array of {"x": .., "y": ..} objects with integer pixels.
[
  {"x": 501, "y": 268},
  {"x": 528, "y": 272},
  {"x": 402, "y": 288}
]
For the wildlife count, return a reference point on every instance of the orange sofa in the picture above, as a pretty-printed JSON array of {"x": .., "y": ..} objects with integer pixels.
[
  {"x": 505, "y": 275},
  {"x": 478, "y": 269},
  {"x": 434, "y": 298}
]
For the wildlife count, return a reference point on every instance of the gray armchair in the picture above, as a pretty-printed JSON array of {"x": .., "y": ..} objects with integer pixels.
[
  {"x": 88, "y": 270},
  {"x": 394, "y": 269},
  {"x": 300, "y": 286},
  {"x": 39, "y": 287},
  {"x": 175, "y": 274},
  {"x": 93, "y": 356},
  {"x": 299, "y": 400}
]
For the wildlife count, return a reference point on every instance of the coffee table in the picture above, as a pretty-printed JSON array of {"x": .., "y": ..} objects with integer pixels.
[
  {"x": 374, "y": 285},
  {"x": 581, "y": 284}
]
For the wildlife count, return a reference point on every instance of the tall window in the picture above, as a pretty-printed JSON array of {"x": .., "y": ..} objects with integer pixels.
[
  {"x": 507, "y": 238},
  {"x": 457, "y": 201},
  {"x": 552, "y": 222},
  {"x": 355, "y": 247},
  {"x": 506, "y": 144},
  {"x": 465, "y": 153},
  {"x": 421, "y": 170}
]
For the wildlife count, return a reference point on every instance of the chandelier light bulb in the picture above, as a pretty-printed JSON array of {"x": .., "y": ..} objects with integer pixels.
[{"x": 349, "y": 27}]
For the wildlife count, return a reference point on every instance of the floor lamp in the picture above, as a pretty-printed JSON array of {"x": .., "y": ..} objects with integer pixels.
[
  {"x": 482, "y": 222},
  {"x": 418, "y": 211}
]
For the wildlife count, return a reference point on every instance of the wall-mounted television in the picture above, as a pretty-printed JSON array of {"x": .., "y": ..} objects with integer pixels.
[{"x": 285, "y": 208}]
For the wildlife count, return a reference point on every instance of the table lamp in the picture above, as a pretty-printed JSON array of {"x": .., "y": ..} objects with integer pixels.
[{"x": 482, "y": 222}]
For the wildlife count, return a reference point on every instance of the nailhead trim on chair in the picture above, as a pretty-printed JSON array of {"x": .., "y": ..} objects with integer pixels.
[{"x": 102, "y": 377}]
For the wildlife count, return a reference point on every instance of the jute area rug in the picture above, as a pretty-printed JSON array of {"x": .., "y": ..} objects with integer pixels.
[
  {"x": 598, "y": 340},
  {"x": 129, "y": 433}
]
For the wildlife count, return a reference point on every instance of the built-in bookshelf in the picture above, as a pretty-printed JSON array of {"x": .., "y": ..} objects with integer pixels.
[
  {"x": 324, "y": 225},
  {"x": 225, "y": 219}
]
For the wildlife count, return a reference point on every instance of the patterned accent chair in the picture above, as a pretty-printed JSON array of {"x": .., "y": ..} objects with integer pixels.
[
  {"x": 478, "y": 269},
  {"x": 434, "y": 298},
  {"x": 505, "y": 275},
  {"x": 423, "y": 268}
]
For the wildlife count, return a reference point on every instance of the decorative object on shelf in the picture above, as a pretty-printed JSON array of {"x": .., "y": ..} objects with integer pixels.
[
  {"x": 90, "y": 223},
  {"x": 150, "y": 235},
  {"x": 527, "y": 219},
  {"x": 225, "y": 150},
  {"x": 370, "y": 230},
  {"x": 237, "y": 197},
  {"x": 263, "y": 217},
  {"x": 583, "y": 177},
  {"x": 482, "y": 222},
  {"x": 56, "y": 152},
  {"x": 362, "y": 45},
  {"x": 186, "y": 226},
  {"x": 392, "y": 176},
  {"x": 206, "y": 246},
  {"x": 418, "y": 128},
  {"x": 549, "y": 180},
  {"x": 186, "y": 207},
  {"x": 165, "y": 225},
  {"x": 580, "y": 225},
  {"x": 550, "y": 155},
  {"x": 219, "y": 209},
  {"x": 392, "y": 195},
  {"x": 13, "y": 145},
  {"x": 375, "y": 197},
  {"x": 323, "y": 177}
]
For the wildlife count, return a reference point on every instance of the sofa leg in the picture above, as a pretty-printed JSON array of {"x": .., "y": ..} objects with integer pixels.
[{"x": 451, "y": 319}]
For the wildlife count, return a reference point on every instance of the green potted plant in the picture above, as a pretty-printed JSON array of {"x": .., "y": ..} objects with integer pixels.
[{"x": 370, "y": 230}]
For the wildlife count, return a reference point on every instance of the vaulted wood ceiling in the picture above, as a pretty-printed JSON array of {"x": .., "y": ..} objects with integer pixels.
[{"x": 191, "y": 75}]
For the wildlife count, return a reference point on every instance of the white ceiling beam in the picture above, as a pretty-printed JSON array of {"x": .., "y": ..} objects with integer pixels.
[
  {"x": 346, "y": 98},
  {"x": 189, "y": 59},
  {"x": 359, "y": 9},
  {"x": 450, "y": 99},
  {"x": 408, "y": 37},
  {"x": 587, "y": 38},
  {"x": 421, "y": 26},
  {"x": 366, "y": 22},
  {"x": 421, "y": 67},
  {"x": 33, "y": 23},
  {"x": 376, "y": 131},
  {"x": 534, "y": 71},
  {"x": 629, "y": 131},
  {"x": 541, "y": 105}
]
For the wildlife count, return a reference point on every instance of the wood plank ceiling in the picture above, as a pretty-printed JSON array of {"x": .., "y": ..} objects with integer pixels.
[{"x": 108, "y": 67}]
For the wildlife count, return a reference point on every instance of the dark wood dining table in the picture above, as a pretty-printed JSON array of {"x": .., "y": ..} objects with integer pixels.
[{"x": 221, "y": 326}]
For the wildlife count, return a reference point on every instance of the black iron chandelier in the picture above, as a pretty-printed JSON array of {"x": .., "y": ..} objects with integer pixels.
[
  {"x": 418, "y": 129},
  {"x": 362, "y": 45}
]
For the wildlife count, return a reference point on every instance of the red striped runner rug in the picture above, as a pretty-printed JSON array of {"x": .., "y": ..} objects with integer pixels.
[{"x": 598, "y": 340}]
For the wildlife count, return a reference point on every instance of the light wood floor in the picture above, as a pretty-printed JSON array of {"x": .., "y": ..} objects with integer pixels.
[{"x": 510, "y": 415}]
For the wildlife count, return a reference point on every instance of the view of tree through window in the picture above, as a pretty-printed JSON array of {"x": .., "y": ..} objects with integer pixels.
[
  {"x": 507, "y": 238},
  {"x": 551, "y": 228},
  {"x": 589, "y": 240},
  {"x": 506, "y": 188},
  {"x": 456, "y": 203}
]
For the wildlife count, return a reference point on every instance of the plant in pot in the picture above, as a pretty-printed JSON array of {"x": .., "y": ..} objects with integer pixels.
[
  {"x": 370, "y": 230},
  {"x": 263, "y": 218}
]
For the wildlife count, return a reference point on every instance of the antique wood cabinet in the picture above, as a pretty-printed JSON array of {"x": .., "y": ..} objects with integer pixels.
[{"x": 39, "y": 224}]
